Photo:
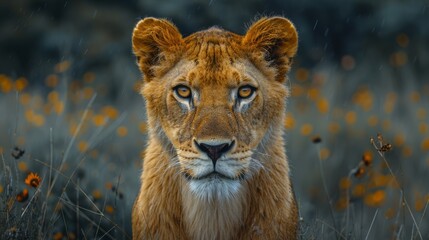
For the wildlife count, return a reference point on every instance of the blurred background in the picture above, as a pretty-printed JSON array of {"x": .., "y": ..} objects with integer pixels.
[{"x": 70, "y": 111}]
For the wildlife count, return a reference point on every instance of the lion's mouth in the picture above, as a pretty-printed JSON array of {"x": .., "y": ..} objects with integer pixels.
[{"x": 214, "y": 175}]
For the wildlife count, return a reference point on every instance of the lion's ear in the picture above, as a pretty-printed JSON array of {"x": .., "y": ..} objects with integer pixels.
[
  {"x": 276, "y": 38},
  {"x": 155, "y": 41}
]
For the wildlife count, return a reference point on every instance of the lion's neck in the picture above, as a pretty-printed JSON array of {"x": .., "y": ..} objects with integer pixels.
[{"x": 212, "y": 218}]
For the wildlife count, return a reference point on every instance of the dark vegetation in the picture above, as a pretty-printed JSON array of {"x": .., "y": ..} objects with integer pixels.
[{"x": 70, "y": 113}]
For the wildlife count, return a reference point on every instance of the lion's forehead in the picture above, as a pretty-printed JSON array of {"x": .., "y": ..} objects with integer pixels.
[
  {"x": 213, "y": 45},
  {"x": 215, "y": 57},
  {"x": 229, "y": 75}
]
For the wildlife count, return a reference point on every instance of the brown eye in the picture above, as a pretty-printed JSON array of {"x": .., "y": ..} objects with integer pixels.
[
  {"x": 246, "y": 91},
  {"x": 183, "y": 91}
]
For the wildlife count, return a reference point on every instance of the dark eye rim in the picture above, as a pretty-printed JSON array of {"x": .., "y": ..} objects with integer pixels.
[
  {"x": 176, "y": 88},
  {"x": 252, "y": 89}
]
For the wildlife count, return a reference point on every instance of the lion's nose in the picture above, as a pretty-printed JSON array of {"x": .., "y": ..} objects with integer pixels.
[{"x": 214, "y": 151}]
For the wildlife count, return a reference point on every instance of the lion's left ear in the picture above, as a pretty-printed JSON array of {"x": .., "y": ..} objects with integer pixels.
[{"x": 277, "y": 39}]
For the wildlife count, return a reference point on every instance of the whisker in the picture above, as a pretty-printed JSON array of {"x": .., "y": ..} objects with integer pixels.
[{"x": 257, "y": 165}]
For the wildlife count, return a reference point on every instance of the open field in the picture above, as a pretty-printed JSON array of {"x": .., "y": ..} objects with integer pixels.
[{"x": 74, "y": 117}]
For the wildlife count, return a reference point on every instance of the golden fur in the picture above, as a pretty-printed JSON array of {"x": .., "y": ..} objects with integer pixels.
[{"x": 246, "y": 193}]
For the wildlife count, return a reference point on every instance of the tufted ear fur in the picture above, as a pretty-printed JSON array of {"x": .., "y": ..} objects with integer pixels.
[
  {"x": 275, "y": 38},
  {"x": 156, "y": 43}
]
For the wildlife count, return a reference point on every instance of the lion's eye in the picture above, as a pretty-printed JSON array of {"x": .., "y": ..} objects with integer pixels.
[
  {"x": 246, "y": 91},
  {"x": 183, "y": 91}
]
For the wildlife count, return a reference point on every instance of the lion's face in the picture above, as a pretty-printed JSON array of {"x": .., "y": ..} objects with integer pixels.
[{"x": 213, "y": 101}]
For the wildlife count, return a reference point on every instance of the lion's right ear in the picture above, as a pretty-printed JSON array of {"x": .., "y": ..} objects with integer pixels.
[{"x": 155, "y": 41}]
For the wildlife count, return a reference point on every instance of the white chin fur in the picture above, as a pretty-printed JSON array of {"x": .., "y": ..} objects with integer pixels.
[{"x": 214, "y": 188}]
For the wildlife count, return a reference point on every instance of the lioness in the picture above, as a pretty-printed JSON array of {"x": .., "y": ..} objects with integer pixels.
[{"x": 215, "y": 165}]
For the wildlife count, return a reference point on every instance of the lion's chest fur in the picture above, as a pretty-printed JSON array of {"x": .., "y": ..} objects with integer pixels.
[{"x": 212, "y": 218}]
